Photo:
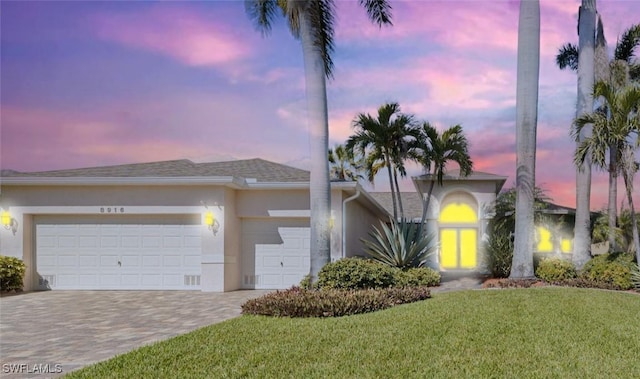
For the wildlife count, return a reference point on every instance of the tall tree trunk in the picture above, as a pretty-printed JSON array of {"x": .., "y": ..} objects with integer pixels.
[
  {"x": 582, "y": 228},
  {"x": 393, "y": 192},
  {"x": 395, "y": 180},
  {"x": 526, "y": 125},
  {"x": 602, "y": 73},
  {"x": 627, "y": 173},
  {"x": 320, "y": 191},
  {"x": 613, "y": 196},
  {"x": 425, "y": 207}
]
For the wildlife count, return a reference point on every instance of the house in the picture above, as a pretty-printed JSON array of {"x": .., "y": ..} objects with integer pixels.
[
  {"x": 221, "y": 226},
  {"x": 218, "y": 226}
]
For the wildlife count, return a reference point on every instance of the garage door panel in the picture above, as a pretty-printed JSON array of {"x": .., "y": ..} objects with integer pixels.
[
  {"x": 151, "y": 261},
  {"x": 67, "y": 260},
  {"x": 151, "y": 242},
  {"x": 87, "y": 241},
  {"x": 85, "y": 261},
  {"x": 73, "y": 253}
]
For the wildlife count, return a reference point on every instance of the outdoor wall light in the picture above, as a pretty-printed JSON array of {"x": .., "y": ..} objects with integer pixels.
[
  {"x": 9, "y": 222},
  {"x": 211, "y": 222}
]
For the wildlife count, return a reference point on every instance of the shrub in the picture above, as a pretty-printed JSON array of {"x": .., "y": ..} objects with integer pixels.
[
  {"x": 419, "y": 276},
  {"x": 11, "y": 273},
  {"x": 499, "y": 254},
  {"x": 554, "y": 269},
  {"x": 355, "y": 273},
  {"x": 635, "y": 277},
  {"x": 297, "y": 302},
  {"x": 612, "y": 269},
  {"x": 400, "y": 245}
]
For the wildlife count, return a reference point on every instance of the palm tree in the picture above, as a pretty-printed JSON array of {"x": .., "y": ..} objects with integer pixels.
[
  {"x": 614, "y": 128},
  {"x": 384, "y": 141},
  {"x": 434, "y": 150},
  {"x": 312, "y": 22},
  {"x": 526, "y": 126},
  {"x": 344, "y": 165},
  {"x": 618, "y": 71},
  {"x": 582, "y": 226}
]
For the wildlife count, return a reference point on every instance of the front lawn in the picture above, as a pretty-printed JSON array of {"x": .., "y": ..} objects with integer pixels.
[{"x": 523, "y": 333}]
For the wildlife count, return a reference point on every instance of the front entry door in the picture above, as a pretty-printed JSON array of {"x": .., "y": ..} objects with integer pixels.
[{"x": 458, "y": 248}]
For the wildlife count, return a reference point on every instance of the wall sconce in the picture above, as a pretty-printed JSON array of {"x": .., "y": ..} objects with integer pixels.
[
  {"x": 9, "y": 222},
  {"x": 211, "y": 222}
]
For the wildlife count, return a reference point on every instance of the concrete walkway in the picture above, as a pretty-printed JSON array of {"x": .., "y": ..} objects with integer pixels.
[{"x": 67, "y": 330}]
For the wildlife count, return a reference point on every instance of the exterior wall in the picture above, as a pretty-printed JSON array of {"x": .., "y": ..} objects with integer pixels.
[
  {"x": 263, "y": 203},
  {"x": 232, "y": 243},
  {"x": 23, "y": 202},
  {"x": 359, "y": 220}
]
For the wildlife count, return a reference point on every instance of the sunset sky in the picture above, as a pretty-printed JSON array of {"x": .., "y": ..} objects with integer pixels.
[{"x": 89, "y": 83}]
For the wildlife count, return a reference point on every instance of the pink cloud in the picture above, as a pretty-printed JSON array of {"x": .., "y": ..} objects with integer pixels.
[{"x": 192, "y": 38}]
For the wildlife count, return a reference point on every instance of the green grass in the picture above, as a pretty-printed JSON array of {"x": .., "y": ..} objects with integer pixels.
[{"x": 524, "y": 333}]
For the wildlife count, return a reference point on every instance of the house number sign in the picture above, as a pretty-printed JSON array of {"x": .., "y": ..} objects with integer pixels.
[{"x": 111, "y": 209}]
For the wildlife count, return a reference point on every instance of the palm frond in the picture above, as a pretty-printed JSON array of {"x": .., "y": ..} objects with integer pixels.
[
  {"x": 379, "y": 11},
  {"x": 262, "y": 13},
  {"x": 568, "y": 57},
  {"x": 630, "y": 39},
  {"x": 321, "y": 15}
]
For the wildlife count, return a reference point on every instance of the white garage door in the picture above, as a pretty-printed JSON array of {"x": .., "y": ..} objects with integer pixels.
[
  {"x": 118, "y": 252},
  {"x": 275, "y": 252}
]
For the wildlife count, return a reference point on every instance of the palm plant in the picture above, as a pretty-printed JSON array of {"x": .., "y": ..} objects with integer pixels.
[
  {"x": 384, "y": 141},
  {"x": 526, "y": 127},
  {"x": 614, "y": 128},
  {"x": 344, "y": 165},
  {"x": 312, "y": 22},
  {"x": 434, "y": 151},
  {"x": 400, "y": 244},
  {"x": 619, "y": 71}
]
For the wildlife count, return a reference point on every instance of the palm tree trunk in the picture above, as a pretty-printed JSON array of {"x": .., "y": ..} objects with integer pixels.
[
  {"x": 582, "y": 228},
  {"x": 627, "y": 173},
  {"x": 320, "y": 192},
  {"x": 526, "y": 125},
  {"x": 395, "y": 179},
  {"x": 636, "y": 238},
  {"x": 613, "y": 196},
  {"x": 393, "y": 192},
  {"x": 425, "y": 207}
]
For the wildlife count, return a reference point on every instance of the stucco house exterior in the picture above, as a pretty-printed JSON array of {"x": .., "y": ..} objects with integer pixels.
[
  {"x": 223, "y": 226},
  {"x": 218, "y": 226}
]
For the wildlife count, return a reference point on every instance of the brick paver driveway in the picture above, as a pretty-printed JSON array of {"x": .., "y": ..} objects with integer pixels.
[{"x": 75, "y": 328}]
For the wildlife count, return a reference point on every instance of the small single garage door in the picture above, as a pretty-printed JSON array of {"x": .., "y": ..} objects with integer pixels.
[
  {"x": 275, "y": 252},
  {"x": 119, "y": 252}
]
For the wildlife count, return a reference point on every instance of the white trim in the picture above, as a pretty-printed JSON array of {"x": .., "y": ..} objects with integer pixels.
[
  {"x": 181, "y": 180},
  {"x": 95, "y": 210},
  {"x": 306, "y": 213}
]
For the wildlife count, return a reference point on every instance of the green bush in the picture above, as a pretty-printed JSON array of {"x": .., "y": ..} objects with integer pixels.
[
  {"x": 356, "y": 273},
  {"x": 11, "y": 273},
  {"x": 614, "y": 269},
  {"x": 554, "y": 269},
  {"x": 401, "y": 244},
  {"x": 298, "y": 302},
  {"x": 635, "y": 277},
  {"x": 499, "y": 254},
  {"x": 419, "y": 276}
]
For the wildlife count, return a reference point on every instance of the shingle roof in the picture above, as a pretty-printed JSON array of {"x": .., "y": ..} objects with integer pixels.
[
  {"x": 259, "y": 169},
  {"x": 411, "y": 203},
  {"x": 475, "y": 175}
]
